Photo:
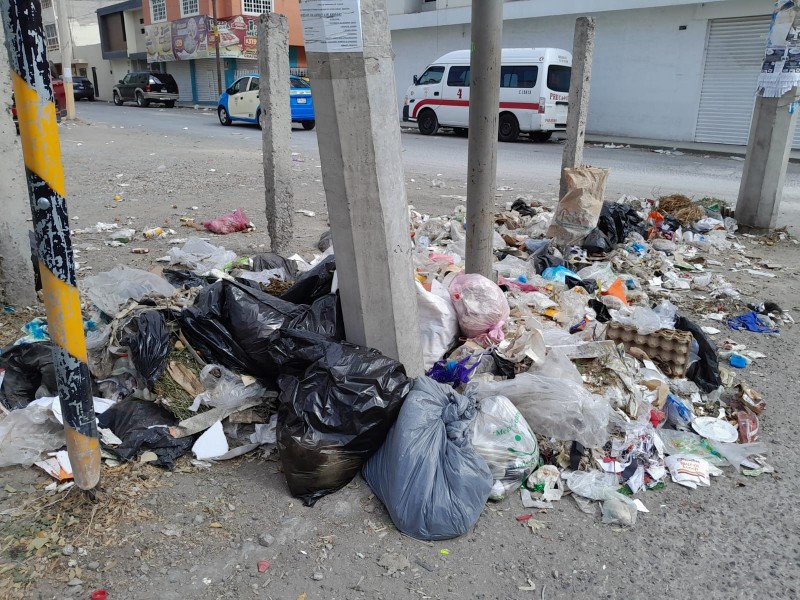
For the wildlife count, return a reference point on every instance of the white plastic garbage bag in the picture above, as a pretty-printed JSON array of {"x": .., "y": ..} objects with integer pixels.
[
  {"x": 110, "y": 291},
  {"x": 481, "y": 306},
  {"x": 438, "y": 322}
]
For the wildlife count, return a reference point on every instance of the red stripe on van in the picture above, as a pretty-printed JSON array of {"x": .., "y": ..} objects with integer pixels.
[{"x": 437, "y": 102}]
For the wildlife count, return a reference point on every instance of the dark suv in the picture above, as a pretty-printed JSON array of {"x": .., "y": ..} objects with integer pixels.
[
  {"x": 144, "y": 88},
  {"x": 82, "y": 88}
]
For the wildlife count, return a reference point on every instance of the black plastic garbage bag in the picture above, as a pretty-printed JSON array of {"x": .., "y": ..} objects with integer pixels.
[
  {"x": 149, "y": 343},
  {"x": 597, "y": 242},
  {"x": 325, "y": 241},
  {"x": 184, "y": 278},
  {"x": 704, "y": 372},
  {"x": 427, "y": 473},
  {"x": 617, "y": 221},
  {"x": 333, "y": 417},
  {"x": 269, "y": 260},
  {"x": 542, "y": 257},
  {"x": 27, "y": 368},
  {"x": 144, "y": 426},
  {"x": 231, "y": 325},
  {"x": 523, "y": 208},
  {"x": 312, "y": 284}
]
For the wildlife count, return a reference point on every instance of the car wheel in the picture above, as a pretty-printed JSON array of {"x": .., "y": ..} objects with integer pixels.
[
  {"x": 509, "y": 128},
  {"x": 427, "y": 122},
  {"x": 117, "y": 99},
  {"x": 541, "y": 136},
  {"x": 141, "y": 102},
  {"x": 309, "y": 125},
  {"x": 461, "y": 131},
  {"x": 170, "y": 104},
  {"x": 224, "y": 118},
  {"x": 91, "y": 98}
]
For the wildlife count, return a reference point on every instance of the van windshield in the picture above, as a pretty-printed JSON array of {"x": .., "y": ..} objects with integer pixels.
[
  {"x": 431, "y": 76},
  {"x": 558, "y": 78}
]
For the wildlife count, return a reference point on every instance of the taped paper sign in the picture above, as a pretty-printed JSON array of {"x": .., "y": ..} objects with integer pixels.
[
  {"x": 332, "y": 25},
  {"x": 780, "y": 70}
]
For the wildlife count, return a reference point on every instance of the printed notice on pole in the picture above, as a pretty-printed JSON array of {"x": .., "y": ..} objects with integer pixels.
[
  {"x": 332, "y": 25},
  {"x": 780, "y": 70}
]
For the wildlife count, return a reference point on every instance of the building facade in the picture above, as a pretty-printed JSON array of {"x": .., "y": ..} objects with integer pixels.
[
  {"x": 122, "y": 42},
  {"x": 663, "y": 69},
  {"x": 87, "y": 59},
  {"x": 178, "y": 39}
]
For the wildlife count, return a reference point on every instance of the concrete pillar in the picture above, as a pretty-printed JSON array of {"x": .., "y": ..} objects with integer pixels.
[
  {"x": 16, "y": 270},
  {"x": 276, "y": 124},
  {"x": 768, "y": 149},
  {"x": 579, "y": 88},
  {"x": 350, "y": 63},
  {"x": 484, "y": 100}
]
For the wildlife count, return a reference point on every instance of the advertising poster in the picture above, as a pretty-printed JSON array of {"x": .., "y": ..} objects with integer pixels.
[
  {"x": 238, "y": 37},
  {"x": 158, "y": 42},
  {"x": 190, "y": 38},
  {"x": 332, "y": 25},
  {"x": 780, "y": 70}
]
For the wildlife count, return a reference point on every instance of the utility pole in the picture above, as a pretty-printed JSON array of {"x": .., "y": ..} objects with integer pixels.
[
  {"x": 33, "y": 92},
  {"x": 579, "y": 87},
  {"x": 216, "y": 47},
  {"x": 484, "y": 113},
  {"x": 65, "y": 47},
  {"x": 350, "y": 62},
  {"x": 276, "y": 127}
]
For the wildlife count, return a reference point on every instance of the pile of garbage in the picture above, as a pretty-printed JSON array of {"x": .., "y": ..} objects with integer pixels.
[{"x": 574, "y": 370}]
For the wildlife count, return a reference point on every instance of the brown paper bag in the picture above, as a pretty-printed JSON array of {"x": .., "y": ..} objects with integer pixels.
[{"x": 578, "y": 211}]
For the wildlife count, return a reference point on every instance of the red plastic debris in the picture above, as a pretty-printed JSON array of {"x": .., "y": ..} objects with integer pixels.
[
  {"x": 524, "y": 518},
  {"x": 263, "y": 566},
  {"x": 100, "y": 595},
  {"x": 228, "y": 223}
]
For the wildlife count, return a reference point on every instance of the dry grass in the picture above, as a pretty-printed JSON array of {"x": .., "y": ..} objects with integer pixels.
[
  {"x": 171, "y": 395},
  {"x": 682, "y": 208}
]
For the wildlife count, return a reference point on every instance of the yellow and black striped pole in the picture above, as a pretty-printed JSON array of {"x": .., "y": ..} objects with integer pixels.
[{"x": 36, "y": 112}]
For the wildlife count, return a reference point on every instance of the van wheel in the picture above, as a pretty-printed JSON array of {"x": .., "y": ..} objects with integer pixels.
[
  {"x": 509, "y": 128},
  {"x": 427, "y": 122},
  {"x": 141, "y": 101},
  {"x": 117, "y": 99},
  {"x": 309, "y": 125},
  {"x": 461, "y": 131},
  {"x": 541, "y": 137}
]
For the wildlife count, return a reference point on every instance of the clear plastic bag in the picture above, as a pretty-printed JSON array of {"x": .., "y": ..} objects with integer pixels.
[
  {"x": 225, "y": 389},
  {"x": 644, "y": 319},
  {"x": 555, "y": 408},
  {"x": 27, "y": 433},
  {"x": 111, "y": 290},
  {"x": 686, "y": 442},
  {"x": 667, "y": 312},
  {"x": 502, "y": 436},
  {"x": 736, "y": 454},
  {"x": 619, "y": 509},
  {"x": 201, "y": 256},
  {"x": 591, "y": 484},
  {"x": 481, "y": 306},
  {"x": 601, "y": 272}
]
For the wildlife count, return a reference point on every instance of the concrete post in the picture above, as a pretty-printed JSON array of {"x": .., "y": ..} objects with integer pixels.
[
  {"x": 65, "y": 46},
  {"x": 351, "y": 67},
  {"x": 768, "y": 149},
  {"x": 580, "y": 85},
  {"x": 16, "y": 271},
  {"x": 276, "y": 127},
  {"x": 484, "y": 102}
]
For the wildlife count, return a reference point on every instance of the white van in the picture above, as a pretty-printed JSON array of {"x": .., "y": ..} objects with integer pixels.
[{"x": 534, "y": 90}]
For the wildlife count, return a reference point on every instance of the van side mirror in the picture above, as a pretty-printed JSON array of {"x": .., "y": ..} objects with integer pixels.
[{"x": 416, "y": 80}]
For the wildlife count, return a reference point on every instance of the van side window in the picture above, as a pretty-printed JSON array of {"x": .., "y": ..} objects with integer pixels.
[
  {"x": 431, "y": 76},
  {"x": 558, "y": 78},
  {"x": 519, "y": 77},
  {"x": 458, "y": 77}
]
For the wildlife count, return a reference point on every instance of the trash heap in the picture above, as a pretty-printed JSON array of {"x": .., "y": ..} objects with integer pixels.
[{"x": 574, "y": 370}]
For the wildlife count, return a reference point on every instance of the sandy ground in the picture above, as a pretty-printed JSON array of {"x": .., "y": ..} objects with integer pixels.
[{"x": 199, "y": 533}]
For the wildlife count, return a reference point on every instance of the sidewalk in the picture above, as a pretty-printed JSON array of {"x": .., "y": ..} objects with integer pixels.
[{"x": 686, "y": 147}]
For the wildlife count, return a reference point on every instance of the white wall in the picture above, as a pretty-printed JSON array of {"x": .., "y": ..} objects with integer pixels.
[
  {"x": 647, "y": 73},
  {"x": 133, "y": 31}
]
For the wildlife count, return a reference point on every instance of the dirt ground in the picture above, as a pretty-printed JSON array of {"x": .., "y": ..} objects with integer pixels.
[{"x": 199, "y": 533}]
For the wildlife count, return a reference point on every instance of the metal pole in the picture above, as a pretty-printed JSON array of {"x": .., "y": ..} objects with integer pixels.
[
  {"x": 30, "y": 75},
  {"x": 216, "y": 47},
  {"x": 484, "y": 102},
  {"x": 65, "y": 47}
]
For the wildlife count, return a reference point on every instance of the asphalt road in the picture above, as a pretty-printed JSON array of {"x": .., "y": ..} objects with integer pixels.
[{"x": 526, "y": 167}]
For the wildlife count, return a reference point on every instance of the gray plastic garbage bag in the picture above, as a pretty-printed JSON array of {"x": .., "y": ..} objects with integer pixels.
[{"x": 433, "y": 482}]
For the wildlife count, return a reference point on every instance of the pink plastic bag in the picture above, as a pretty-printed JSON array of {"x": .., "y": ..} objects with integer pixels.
[
  {"x": 229, "y": 223},
  {"x": 481, "y": 306}
]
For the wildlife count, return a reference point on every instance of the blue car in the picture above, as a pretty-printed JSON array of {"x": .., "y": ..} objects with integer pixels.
[{"x": 241, "y": 102}]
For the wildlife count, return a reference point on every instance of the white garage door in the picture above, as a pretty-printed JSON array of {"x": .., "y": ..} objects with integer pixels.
[
  {"x": 205, "y": 75},
  {"x": 734, "y": 54},
  {"x": 179, "y": 69}
]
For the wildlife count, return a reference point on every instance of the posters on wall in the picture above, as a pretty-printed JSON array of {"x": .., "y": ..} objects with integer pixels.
[
  {"x": 332, "y": 25},
  {"x": 193, "y": 38},
  {"x": 238, "y": 37},
  {"x": 190, "y": 38},
  {"x": 780, "y": 70},
  {"x": 158, "y": 42}
]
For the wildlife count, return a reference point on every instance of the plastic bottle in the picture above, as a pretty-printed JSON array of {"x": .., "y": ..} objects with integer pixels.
[{"x": 153, "y": 233}]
